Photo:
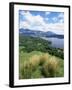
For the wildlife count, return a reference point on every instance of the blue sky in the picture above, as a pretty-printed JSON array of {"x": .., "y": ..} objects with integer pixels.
[{"x": 42, "y": 20}]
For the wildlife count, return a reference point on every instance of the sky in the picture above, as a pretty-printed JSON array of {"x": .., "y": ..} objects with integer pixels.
[{"x": 42, "y": 21}]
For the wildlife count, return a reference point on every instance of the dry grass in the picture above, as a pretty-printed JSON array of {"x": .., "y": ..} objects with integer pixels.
[
  {"x": 53, "y": 63},
  {"x": 44, "y": 58},
  {"x": 46, "y": 64},
  {"x": 26, "y": 70},
  {"x": 51, "y": 67},
  {"x": 34, "y": 61}
]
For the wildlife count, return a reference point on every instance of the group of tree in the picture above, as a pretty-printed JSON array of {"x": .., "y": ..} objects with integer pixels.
[{"x": 30, "y": 44}]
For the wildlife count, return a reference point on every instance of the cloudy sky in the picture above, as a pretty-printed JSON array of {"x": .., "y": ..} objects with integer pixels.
[{"x": 42, "y": 20}]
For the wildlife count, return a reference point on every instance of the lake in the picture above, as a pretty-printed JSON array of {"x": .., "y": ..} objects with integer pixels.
[{"x": 55, "y": 42}]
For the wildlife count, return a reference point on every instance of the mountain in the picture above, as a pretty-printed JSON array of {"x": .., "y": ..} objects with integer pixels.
[
  {"x": 49, "y": 33},
  {"x": 36, "y": 33},
  {"x": 52, "y": 34}
]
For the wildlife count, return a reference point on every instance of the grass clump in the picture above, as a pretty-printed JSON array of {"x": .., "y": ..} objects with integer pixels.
[
  {"x": 50, "y": 67},
  {"x": 34, "y": 61},
  {"x": 26, "y": 70},
  {"x": 29, "y": 66},
  {"x": 44, "y": 58}
]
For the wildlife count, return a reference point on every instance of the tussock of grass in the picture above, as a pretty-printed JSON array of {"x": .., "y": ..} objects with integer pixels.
[
  {"x": 34, "y": 61},
  {"x": 26, "y": 70},
  {"x": 44, "y": 58},
  {"x": 41, "y": 65},
  {"x": 51, "y": 67}
]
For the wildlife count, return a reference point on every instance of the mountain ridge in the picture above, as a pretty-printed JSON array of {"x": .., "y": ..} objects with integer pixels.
[{"x": 36, "y": 33}]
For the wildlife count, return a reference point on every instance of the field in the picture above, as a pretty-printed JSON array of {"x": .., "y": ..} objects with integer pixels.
[{"x": 38, "y": 60}]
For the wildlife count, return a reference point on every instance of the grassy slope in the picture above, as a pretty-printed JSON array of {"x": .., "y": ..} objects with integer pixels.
[{"x": 25, "y": 57}]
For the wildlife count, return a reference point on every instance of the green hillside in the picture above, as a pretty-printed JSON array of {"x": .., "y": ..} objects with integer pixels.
[{"x": 37, "y": 59}]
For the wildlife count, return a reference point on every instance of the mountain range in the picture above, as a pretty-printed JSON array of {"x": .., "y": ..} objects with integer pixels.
[{"x": 36, "y": 33}]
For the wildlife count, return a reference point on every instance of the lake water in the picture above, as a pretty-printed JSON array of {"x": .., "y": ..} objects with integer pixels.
[{"x": 55, "y": 42}]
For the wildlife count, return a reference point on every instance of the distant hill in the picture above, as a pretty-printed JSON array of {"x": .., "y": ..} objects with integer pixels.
[{"x": 36, "y": 33}]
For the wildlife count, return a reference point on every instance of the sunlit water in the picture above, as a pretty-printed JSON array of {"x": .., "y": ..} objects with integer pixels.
[{"x": 55, "y": 42}]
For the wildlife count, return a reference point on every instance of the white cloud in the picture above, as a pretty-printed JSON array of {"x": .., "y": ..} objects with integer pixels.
[
  {"x": 56, "y": 26},
  {"x": 24, "y": 24},
  {"x": 54, "y": 19},
  {"x": 22, "y": 12},
  {"x": 46, "y": 19},
  {"x": 61, "y": 15},
  {"x": 37, "y": 23},
  {"x": 47, "y": 13},
  {"x": 32, "y": 21},
  {"x": 61, "y": 20}
]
